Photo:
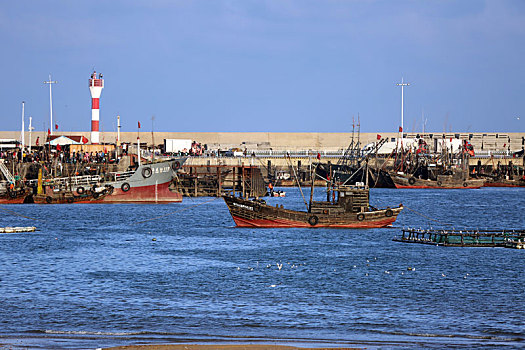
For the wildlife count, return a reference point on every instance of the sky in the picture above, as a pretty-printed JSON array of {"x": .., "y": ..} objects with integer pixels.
[{"x": 266, "y": 65}]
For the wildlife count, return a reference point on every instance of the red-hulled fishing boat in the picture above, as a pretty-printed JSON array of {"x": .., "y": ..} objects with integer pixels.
[
  {"x": 14, "y": 196},
  {"x": 147, "y": 183},
  {"x": 349, "y": 208}
]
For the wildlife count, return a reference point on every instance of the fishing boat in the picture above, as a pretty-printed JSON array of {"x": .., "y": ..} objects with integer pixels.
[
  {"x": 278, "y": 193},
  {"x": 348, "y": 208},
  {"x": 94, "y": 195},
  {"x": 14, "y": 196},
  {"x": 149, "y": 183},
  {"x": 505, "y": 182},
  {"x": 146, "y": 183},
  {"x": 451, "y": 181},
  {"x": 12, "y": 191}
]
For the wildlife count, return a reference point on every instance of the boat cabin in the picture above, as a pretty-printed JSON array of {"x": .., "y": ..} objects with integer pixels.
[{"x": 345, "y": 199}]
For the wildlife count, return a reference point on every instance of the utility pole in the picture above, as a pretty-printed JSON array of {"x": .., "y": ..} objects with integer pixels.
[
  {"x": 50, "y": 82},
  {"x": 402, "y": 84}
]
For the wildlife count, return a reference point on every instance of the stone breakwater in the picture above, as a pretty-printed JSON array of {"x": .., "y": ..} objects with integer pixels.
[{"x": 488, "y": 141}]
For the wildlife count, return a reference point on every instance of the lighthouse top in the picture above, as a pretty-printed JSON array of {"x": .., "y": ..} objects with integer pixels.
[{"x": 96, "y": 80}]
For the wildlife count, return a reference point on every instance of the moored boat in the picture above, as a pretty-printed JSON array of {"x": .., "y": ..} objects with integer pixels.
[
  {"x": 349, "y": 208},
  {"x": 441, "y": 182},
  {"x": 94, "y": 195},
  {"x": 147, "y": 183},
  {"x": 504, "y": 182},
  {"x": 14, "y": 196}
]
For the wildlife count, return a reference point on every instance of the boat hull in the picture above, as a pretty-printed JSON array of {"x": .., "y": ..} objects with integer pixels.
[
  {"x": 505, "y": 183},
  {"x": 404, "y": 182},
  {"x": 247, "y": 213},
  {"x": 157, "y": 193},
  {"x": 17, "y": 197}
]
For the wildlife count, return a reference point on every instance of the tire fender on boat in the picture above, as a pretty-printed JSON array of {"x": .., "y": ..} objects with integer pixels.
[
  {"x": 313, "y": 220},
  {"x": 389, "y": 212},
  {"x": 175, "y": 165},
  {"x": 125, "y": 187},
  {"x": 80, "y": 190},
  {"x": 360, "y": 217},
  {"x": 49, "y": 199},
  {"x": 465, "y": 184},
  {"x": 439, "y": 183},
  {"x": 146, "y": 172},
  {"x": 412, "y": 180}
]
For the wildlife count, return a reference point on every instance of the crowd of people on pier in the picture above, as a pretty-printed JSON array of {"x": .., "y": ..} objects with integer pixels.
[{"x": 36, "y": 156}]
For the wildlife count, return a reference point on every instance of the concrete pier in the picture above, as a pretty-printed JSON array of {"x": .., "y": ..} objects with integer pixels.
[{"x": 482, "y": 141}]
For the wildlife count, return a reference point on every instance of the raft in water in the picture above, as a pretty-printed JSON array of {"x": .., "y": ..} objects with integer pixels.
[
  {"x": 465, "y": 238},
  {"x": 17, "y": 229}
]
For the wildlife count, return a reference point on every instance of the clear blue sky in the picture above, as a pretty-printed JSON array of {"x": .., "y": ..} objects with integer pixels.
[{"x": 274, "y": 65}]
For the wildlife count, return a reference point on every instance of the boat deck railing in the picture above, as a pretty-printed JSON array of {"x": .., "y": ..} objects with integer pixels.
[
  {"x": 121, "y": 175},
  {"x": 84, "y": 180}
]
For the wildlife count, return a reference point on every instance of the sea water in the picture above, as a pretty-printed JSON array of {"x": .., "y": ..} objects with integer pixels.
[{"x": 119, "y": 274}]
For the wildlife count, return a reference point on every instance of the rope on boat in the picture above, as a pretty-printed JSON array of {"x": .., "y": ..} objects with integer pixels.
[
  {"x": 174, "y": 212},
  {"x": 289, "y": 159},
  {"x": 427, "y": 217},
  {"x": 16, "y": 214}
]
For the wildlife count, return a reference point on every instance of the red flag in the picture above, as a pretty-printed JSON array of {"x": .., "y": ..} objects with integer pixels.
[
  {"x": 139, "y": 125},
  {"x": 84, "y": 140},
  {"x": 400, "y": 129},
  {"x": 59, "y": 148},
  {"x": 37, "y": 139},
  {"x": 56, "y": 126},
  {"x": 318, "y": 155},
  {"x": 378, "y": 137},
  {"x": 48, "y": 132}
]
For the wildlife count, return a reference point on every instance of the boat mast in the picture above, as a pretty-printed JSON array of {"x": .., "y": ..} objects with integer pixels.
[
  {"x": 312, "y": 176},
  {"x": 30, "y": 131},
  {"x": 22, "y": 135}
]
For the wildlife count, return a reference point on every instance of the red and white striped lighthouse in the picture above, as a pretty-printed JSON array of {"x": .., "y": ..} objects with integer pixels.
[{"x": 96, "y": 84}]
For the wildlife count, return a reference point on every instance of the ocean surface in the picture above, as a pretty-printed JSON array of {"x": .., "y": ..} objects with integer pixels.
[{"x": 119, "y": 274}]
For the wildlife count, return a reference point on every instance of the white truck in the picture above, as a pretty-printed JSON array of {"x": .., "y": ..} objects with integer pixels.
[{"x": 177, "y": 145}]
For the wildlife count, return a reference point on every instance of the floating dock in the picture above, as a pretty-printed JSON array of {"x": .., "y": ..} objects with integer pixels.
[{"x": 465, "y": 238}]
